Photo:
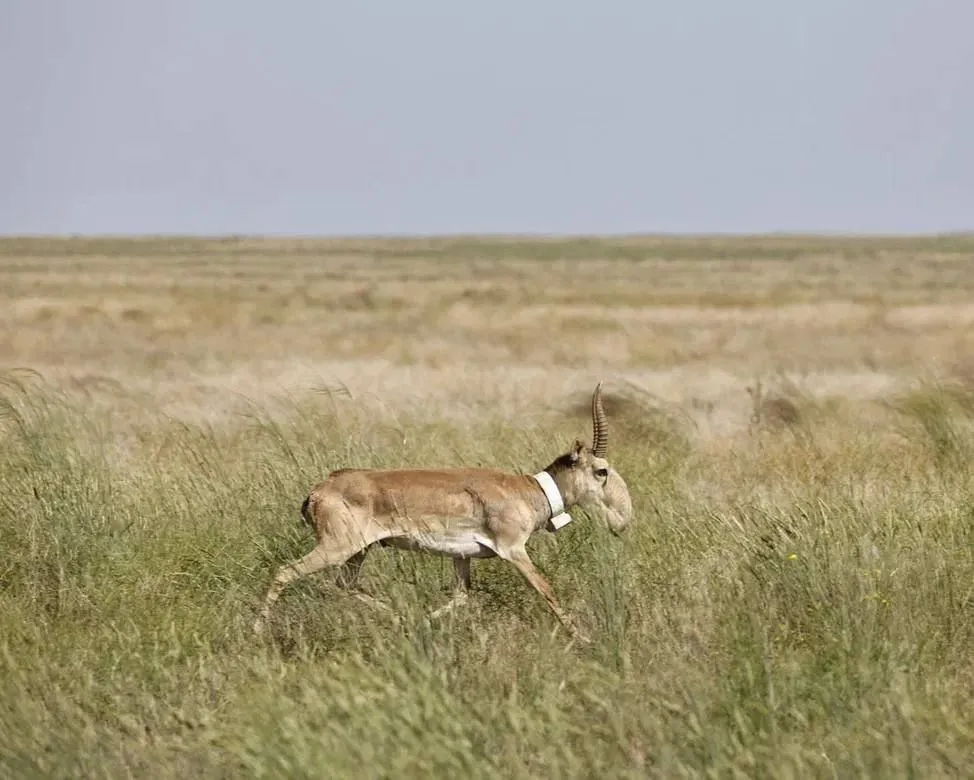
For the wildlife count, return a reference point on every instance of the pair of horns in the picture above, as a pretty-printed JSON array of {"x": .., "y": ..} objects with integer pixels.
[{"x": 600, "y": 427}]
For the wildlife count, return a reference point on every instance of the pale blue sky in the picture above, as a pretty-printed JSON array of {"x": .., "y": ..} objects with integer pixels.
[{"x": 429, "y": 116}]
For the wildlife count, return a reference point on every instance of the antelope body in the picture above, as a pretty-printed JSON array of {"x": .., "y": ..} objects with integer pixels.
[{"x": 462, "y": 513}]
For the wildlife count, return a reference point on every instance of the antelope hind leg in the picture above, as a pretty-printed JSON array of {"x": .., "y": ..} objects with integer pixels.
[
  {"x": 348, "y": 577},
  {"x": 350, "y": 571},
  {"x": 461, "y": 568},
  {"x": 316, "y": 560}
]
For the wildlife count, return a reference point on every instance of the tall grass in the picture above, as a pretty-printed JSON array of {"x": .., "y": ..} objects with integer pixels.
[{"x": 815, "y": 619}]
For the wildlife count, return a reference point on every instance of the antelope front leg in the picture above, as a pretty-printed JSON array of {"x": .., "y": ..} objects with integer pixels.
[{"x": 524, "y": 565}]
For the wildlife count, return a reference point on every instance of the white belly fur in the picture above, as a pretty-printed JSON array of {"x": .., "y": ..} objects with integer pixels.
[{"x": 456, "y": 544}]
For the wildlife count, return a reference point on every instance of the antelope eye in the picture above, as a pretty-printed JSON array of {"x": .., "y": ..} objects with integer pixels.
[{"x": 601, "y": 473}]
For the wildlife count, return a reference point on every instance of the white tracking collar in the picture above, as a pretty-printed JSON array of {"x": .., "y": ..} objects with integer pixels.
[{"x": 559, "y": 517}]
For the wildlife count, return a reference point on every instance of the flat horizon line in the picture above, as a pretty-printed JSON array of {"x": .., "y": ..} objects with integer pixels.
[{"x": 489, "y": 235}]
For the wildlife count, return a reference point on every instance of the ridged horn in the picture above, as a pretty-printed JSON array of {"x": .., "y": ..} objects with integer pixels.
[{"x": 600, "y": 428}]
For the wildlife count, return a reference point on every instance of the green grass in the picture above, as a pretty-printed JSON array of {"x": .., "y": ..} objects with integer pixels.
[{"x": 812, "y": 615}]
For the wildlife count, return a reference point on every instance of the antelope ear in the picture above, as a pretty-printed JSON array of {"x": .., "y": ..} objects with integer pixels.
[{"x": 577, "y": 449}]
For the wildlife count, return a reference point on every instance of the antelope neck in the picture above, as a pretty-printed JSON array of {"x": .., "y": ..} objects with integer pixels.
[{"x": 558, "y": 517}]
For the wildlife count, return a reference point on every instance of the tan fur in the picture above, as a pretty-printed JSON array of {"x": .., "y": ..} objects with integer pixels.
[{"x": 463, "y": 513}]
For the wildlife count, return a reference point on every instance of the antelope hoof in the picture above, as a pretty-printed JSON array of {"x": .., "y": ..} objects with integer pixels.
[
  {"x": 578, "y": 635},
  {"x": 458, "y": 600}
]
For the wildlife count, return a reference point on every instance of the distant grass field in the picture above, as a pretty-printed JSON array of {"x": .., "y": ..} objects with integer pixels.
[{"x": 794, "y": 417}]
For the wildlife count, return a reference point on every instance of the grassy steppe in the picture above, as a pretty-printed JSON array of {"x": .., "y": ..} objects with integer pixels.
[{"x": 794, "y": 600}]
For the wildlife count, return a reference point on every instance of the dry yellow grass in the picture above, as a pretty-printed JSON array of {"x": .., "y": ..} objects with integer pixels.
[
  {"x": 794, "y": 601},
  {"x": 437, "y": 322}
]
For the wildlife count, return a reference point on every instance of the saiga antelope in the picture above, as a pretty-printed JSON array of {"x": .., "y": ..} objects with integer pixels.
[{"x": 463, "y": 513}]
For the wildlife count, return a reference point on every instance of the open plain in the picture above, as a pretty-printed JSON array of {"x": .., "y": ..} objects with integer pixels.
[{"x": 794, "y": 417}]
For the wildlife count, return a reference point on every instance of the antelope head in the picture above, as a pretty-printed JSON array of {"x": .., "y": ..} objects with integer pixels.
[{"x": 585, "y": 478}]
